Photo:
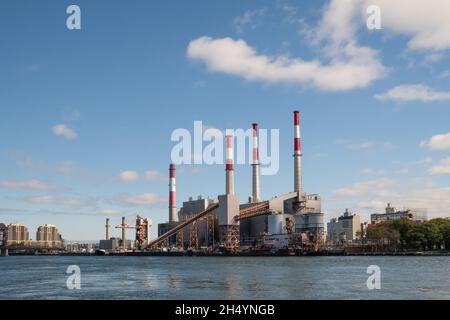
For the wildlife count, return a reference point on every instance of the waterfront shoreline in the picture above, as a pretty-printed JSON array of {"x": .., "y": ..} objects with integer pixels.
[{"x": 181, "y": 254}]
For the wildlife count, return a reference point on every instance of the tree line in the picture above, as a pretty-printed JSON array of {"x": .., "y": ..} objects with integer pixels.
[{"x": 405, "y": 234}]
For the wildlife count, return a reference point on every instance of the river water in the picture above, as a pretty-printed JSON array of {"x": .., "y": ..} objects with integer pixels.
[{"x": 118, "y": 277}]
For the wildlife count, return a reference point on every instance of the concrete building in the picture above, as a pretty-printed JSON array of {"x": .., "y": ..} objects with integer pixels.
[
  {"x": 111, "y": 244},
  {"x": 391, "y": 213},
  {"x": 3, "y": 231},
  {"x": 76, "y": 247},
  {"x": 16, "y": 233},
  {"x": 344, "y": 228},
  {"x": 48, "y": 235}
]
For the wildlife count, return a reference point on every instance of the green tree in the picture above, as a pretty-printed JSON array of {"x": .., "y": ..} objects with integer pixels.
[{"x": 446, "y": 237}]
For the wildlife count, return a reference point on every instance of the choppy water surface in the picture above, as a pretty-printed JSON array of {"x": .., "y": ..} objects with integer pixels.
[{"x": 44, "y": 277}]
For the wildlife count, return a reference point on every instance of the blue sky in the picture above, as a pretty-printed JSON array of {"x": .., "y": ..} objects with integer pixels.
[{"x": 374, "y": 104}]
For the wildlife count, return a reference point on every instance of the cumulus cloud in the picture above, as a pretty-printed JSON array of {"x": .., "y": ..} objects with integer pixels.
[
  {"x": 236, "y": 57},
  {"x": 128, "y": 176},
  {"x": 426, "y": 23},
  {"x": 442, "y": 168},
  {"x": 414, "y": 92},
  {"x": 345, "y": 63},
  {"x": 145, "y": 199},
  {"x": 30, "y": 184},
  {"x": 364, "y": 188},
  {"x": 437, "y": 142},
  {"x": 63, "y": 130}
]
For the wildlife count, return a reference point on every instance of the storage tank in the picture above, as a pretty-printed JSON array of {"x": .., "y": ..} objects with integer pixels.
[
  {"x": 312, "y": 222},
  {"x": 276, "y": 224}
]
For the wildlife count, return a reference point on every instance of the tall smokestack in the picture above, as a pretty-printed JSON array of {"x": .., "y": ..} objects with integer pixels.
[
  {"x": 123, "y": 232},
  {"x": 172, "y": 194},
  {"x": 255, "y": 181},
  {"x": 229, "y": 166},
  {"x": 107, "y": 229},
  {"x": 297, "y": 155}
]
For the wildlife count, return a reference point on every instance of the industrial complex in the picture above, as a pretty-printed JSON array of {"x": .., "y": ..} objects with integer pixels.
[
  {"x": 287, "y": 224},
  {"x": 227, "y": 225}
]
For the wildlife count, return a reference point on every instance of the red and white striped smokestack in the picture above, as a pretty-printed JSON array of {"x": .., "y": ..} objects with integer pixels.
[
  {"x": 229, "y": 166},
  {"x": 255, "y": 174},
  {"x": 297, "y": 154},
  {"x": 172, "y": 194}
]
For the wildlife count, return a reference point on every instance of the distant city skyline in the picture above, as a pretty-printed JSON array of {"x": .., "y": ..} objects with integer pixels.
[{"x": 86, "y": 115}]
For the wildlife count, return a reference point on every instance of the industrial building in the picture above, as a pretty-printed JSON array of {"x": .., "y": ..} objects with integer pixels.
[
  {"x": 344, "y": 228},
  {"x": 142, "y": 229},
  {"x": 225, "y": 223}
]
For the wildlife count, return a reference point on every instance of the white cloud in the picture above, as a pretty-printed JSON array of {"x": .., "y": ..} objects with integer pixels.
[
  {"x": 72, "y": 202},
  {"x": 248, "y": 20},
  {"x": 424, "y": 161},
  {"x": 111, "y": 212},
  {"x": 442, "y": 168},
  {"x": 437, "y": 142},
  {"x": 425, "y": 22},
  {"x": 128, "y": 176},
  {"x": 374, "y": 205},
  {"x": 364, "y": 188},
  {"x": 30, "y": 184},
  {"x": 356, "y": 68},
  {"x": 364, "y": 145},
  {"x": 63, "y": 130},
  {"x": 154, "y": 175},
  {"x": 359, "y": 146},
  {"x": 372, "y": 172},
  {"x": 414, "y": 92},
  {"x": 434, "y": 57},
  {"x": 348, "y": 64},
  {"x": 139, "y": 200}
]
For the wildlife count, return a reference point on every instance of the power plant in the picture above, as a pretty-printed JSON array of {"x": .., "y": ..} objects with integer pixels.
[{"x": 285, "y": 223}]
